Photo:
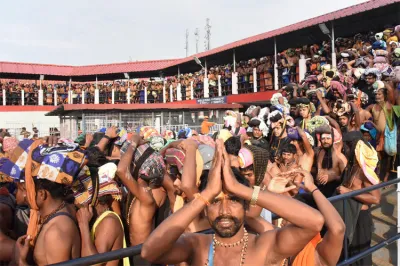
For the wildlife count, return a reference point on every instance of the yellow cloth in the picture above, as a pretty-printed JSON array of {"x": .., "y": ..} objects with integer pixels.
[
  {"x": 98, "y": 221},
  {"x": 367, "y": 158},
  {"x": 224, "y": 134},
  {"x": 306, "y": 257}
]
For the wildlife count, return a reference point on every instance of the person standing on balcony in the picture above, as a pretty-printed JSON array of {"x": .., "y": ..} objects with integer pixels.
[{"x": 206, "y": 125}]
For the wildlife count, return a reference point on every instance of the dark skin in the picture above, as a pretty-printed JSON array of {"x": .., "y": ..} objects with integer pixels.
[
  {"x": 52, "y": 244},
  {"x": 269, "y": 248},
  {"x": 109, "y": 234},
  {"x": 146, "y": 201},
  {"x": 329, "y": 249}
]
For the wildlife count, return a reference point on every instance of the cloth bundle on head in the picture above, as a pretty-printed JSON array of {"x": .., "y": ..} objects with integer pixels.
[
  {"x": 316, "y": 122},
  {"x": 230, "y": 119},
  {"x": 276, "y": 101},
  {"x": 156, "y": 142},
  {"x": 148, "y": 132},
  {"x": 304, "y": 102},
  {"x": 290, "y": 121},
  {"x": 83, "y": 187},
  {"x": 122, "y": 137},
  {"x": 256, "y": 122},
  {"x": 185, "y": 133},
  {"x": 148, "y": 164},
  {"x": 336, "y": 85},
  {"x": 360, "y": 96},
  {"x": 58, "y": 167},
  {"x": 251, "y": 111},
  {"x": 274, "y": 117},
  {"x": 9, "y": 143},
  {"x": 358, "y": 72},
  {"x": 374, "y": 71},
  {"x": 224, "y": 134},
  {"x": 378, "y": 85},
  {"x": 204, "y": 139},
  {"x": 263, "y": 115},
  {"x": 13, "y": 168},
  {"x": 168, "y": 134},
  {"x": 367, "y": 158},
  {"x": 256, "y": 156},
  {"x": 294, "y": 135},
  {"x": 341, "y": 108}
]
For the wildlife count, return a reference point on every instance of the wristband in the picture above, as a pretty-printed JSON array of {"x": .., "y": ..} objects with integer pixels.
[
  {"x": 314, "y": 190},
  {"x": 198, "y": 196},
  {"x": 106, "y": 137},
  {"x": 254, "y": 196}
]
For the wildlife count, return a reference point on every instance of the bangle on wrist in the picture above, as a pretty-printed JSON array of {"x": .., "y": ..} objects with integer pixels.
[
  {"x": 198, "y": 196},
  {"x": 314, "y": 190},
  {"x": 254, "y": 196}
]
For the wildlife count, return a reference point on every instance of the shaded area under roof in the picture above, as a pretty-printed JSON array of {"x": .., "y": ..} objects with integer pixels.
[
  {"x": 369, "y": 16},
  {"x": 70, "y": 108}
]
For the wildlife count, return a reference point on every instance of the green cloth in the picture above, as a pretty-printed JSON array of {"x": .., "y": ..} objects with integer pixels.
[{"x": 396, "y": 109}]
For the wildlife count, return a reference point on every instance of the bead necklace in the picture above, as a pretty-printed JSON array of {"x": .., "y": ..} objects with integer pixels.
[{"x": 244, "y": 240}]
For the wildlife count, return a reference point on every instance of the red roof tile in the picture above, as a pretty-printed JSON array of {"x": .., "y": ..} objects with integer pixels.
[{"x": 144, "y": 66}]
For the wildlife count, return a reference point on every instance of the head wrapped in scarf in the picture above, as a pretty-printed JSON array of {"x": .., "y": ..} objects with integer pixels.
[
  {"x": 168, "y": 134},
  {"x": 230, "y": 119},
  {"x": 316, "y": 122},
  {"x": 306, "y": 103},
  {"x": 148, "y": 132},
  {"x": 185, "y": 133},
  {"x": 148, "y": 165},
  {"x": 339, "y": 87},
  {"x": 156, "y": 142},
  {"x": 86, "y": 193},
  {"x": 224, "y": 134},
  {"x": 360, "y": 97},
  {"x": 256, "y": 122},
  {"x": 59, "y": 164},
  {"x": 252, "y": 111},
  {"x": 373, "y": 71},
  {"x": 341, "y": 108},
  {"x": 256, "y": 156}
]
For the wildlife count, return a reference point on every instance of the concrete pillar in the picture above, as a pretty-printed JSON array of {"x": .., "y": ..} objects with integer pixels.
[
  {"x": 164, "y": 93},
  {"x": 179, "y": 92},
  {"x": 276, "y": 84},
  {"x": 333, "y": 47},
  {"x": 206, "y": 88},
  {"x": 255, "y": 79},
  {"x": 96, "y": 96},
  {"x": 145, "y": 95},
  {"x": 219, "y": 86},
  {"x": 4, "y": 97},
  {"x": 171, "y": 94},
  {"x": 302, "y": 67},
  {"x": 83, "y": 97},
  {"x": 40, "y": 95},
  {"x": 22, "y": 97},
  {"x": 55, "y": 97},
  {"x": 234, "y": 83},
  {"x": 112, "y": 96},
  {"x": 191, "y": 91},
  {"x": 128, "y": 95}
]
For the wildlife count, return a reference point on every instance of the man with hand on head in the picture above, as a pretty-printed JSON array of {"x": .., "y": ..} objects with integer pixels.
[{"x": 225, "y": 209}]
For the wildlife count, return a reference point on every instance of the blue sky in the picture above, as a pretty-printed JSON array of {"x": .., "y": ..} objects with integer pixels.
[{"x": 92, "y": 32}]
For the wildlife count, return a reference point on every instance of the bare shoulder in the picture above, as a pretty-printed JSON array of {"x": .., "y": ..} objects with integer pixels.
[{"x": 61, "y": 224}]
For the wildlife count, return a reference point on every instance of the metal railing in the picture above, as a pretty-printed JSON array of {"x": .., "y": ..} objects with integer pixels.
[{"x": 135, "y": 250}]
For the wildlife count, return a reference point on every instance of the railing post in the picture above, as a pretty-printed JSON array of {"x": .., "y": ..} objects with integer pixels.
[
  {"x": 206, "y": 88},
  {"x": 112, "y": 96},
  {"x": 83, "y": 96},
  {"x": 145, "y": 94},
  {"x": 164, "y": 93},
  {"x": 255, "y": 79},
  {"x": 40, "y": 95},
  {"x": 234, "y": 83},
  {"x": 219, "y": 86},
  {"x": 22, "y": 97},
  {"x": 128, "y": 96},
  {"x": 276, "y": 85},
  {"x": 179, "y": 92},
  {"x": 171, "y": 93},
  {"x": 191, "y": 91},
  {"x": 333, "y": 47},
  {"x": 55, "y": 97},
  {"x": 96, "y": 96},
  {"x": 4, "y": 97},
  {"x": 70, "y": 100},
  {"x": 302, "y": 67}
]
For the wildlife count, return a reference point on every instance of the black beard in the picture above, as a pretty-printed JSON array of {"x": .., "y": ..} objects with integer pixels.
[{"x": 231, "y": 231}]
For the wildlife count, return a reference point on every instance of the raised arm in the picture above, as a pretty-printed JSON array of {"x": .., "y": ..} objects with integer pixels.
[
  {"x": 331, "y": 246},
  {"x": 166, "y": 244},
  {"x": 357, "y": 117},
  {"x": 124, "y": 172},
  {"x": 306, "y": 221},
  {"x": 306, "y": 143},
  {"x": 110, "y": 134},
  {"x": 189, "y": 185},
  {"x": 324, "y": 106}
]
